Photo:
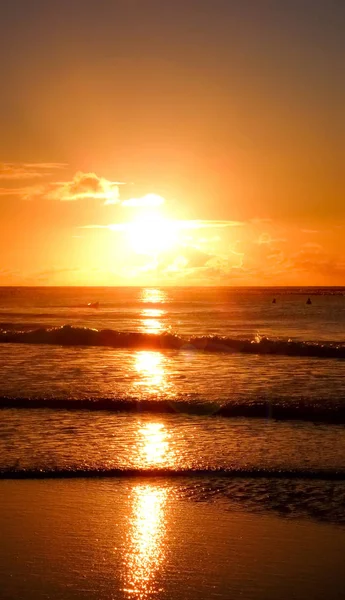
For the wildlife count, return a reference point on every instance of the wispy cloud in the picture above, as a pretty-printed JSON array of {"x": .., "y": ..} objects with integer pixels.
[
  {"x": 56, "y": 271},
  {"x": 19, "y": 171},
  {"x": 45, "y": 165},
  {"x": 25, "y": 192},
  {"x": 179, "y": 225},
  {"x": 259, "y": 221},
  {"x": 207, "y": 224},
  {"x": 313, "y": 247}
]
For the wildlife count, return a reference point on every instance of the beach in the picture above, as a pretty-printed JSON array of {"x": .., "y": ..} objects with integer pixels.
[{"x": 135, "y": 538}]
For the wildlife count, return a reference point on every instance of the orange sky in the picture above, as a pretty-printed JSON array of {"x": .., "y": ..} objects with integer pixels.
[{"x": 231, "y": 112}]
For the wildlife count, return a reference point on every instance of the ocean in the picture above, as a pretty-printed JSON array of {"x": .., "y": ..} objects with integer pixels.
[{"x": 232, "y": 399}]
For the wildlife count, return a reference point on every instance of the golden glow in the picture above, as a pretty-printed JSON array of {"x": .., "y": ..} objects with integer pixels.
[
  {"x": 150, "y": 366},
  {"x": 147, "y": 200},
  {"x": 145, "y": 554},
  {"x": 153, "y": 444},
  {"x": 214, "y": 155}
]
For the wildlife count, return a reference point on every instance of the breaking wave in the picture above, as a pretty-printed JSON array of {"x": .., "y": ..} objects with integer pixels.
[
  {"x": 322, "y": 411},
  {"x": 68, "y": 335},
  {"x": 290, "y": 494},
  {"x": 319, "y": 495},
  {"x": 232, "y": 473}
]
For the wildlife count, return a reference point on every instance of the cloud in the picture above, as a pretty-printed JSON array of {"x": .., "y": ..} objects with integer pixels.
[
  {"x": 248, "y": 261},
  {"x": 56, "y": 271},
  {"x": 314, "y": 259},
  {"x": 202, "y": 224},
  {"x": 196, "y": 258},
  {"x": 203, "y": 269},
  {"x": 83, "y": 185},
  {"x": 17, "y": 171},
  {"x": 312, "y": 247},
  {"x": 258, "y": 221},
  {"x": 178, "y": 225},
  {"x": 266, "y": 238},
  {"x": 182, "y": 258},
  {"x": 45, "y": 165},
  {"x": 25, "y": 192},
  {"x": 149, "y": 200},
  {"x": 86, "y": 185}
]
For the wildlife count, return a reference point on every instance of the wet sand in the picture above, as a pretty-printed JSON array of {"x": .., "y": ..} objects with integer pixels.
[{"x": 109, "y": 539}]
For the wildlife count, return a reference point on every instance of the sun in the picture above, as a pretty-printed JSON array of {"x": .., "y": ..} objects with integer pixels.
[{"x": 152, "y": 234}]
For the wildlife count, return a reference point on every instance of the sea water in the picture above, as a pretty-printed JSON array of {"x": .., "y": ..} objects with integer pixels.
[{"x": 244, "y": 395}]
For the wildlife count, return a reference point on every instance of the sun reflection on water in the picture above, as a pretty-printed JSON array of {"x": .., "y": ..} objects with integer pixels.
[
  {"x": 151, "y": 320},
  {"x": 153, "y": 295},
  {"x": 152, "y": 312},
  {"x": 153, "y": 444},
  {"x": 151, "y": 368},
  {"x": 152, "y": 326},
  {"x": 145, "y": 548}
]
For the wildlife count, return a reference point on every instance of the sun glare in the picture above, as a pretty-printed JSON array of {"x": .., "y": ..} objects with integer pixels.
[{"x": 152, "y": 234}]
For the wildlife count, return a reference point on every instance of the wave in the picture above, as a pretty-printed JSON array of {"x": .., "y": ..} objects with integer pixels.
[
  {"x": 68, "y": 335},
  {"x": 316, "y": 495},
  {"x": 301, "y": 410},
  {"x": 72, "y": 473}
]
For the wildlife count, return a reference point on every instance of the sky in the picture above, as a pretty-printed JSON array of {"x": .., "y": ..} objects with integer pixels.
[{"x": 194, "y": 142}]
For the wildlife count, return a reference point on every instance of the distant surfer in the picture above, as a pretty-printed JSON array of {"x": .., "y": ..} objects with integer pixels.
[
  {"x": 308, "y": 301},
  {"x": 274, "y": 301},
  {"x": 93, "y": 305}
]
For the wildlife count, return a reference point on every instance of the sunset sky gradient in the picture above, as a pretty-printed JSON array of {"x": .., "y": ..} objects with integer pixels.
[{"x": 188, "y": 142}]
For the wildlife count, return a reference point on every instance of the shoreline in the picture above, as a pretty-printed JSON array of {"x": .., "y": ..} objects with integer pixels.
[{"x": 128, "y": 539}]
